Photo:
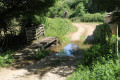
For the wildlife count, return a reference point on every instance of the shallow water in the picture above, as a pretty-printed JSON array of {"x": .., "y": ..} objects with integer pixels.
[{"x": 68, "y": 50}]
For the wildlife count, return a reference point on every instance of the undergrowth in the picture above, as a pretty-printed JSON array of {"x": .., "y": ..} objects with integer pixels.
[
  {"x": 107, "y": 71},
  {"x": 100, "y": 61},
  {"x": 58, "y": 27},
  {"x": 6, "y": 58},
  {"x": 96, "y": 17},
  {"x": 40, "y": 54}
]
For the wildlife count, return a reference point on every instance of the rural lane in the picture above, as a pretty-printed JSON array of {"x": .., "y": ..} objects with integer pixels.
[{"x": 55, "y": 73}]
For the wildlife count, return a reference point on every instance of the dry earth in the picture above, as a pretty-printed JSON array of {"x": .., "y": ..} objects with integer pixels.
[
  {"x": 84, "y": 30},
  {"x": 52, "y": 67}
]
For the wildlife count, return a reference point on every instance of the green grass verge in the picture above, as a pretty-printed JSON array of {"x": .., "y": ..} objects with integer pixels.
[{"x": 58, "y": 27}]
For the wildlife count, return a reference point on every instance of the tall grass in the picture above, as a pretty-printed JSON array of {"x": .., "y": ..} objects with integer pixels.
[
  {"x": 58, "y": 27},
  {"x": 40, "y": 54},
  {"x": 6, "y": 58}
]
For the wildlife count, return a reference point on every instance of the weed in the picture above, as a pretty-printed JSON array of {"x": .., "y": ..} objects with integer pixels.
[
  {"x": 6, "y": 58},
  {"x": 58, "y": 27},
  {"x": 40, "y": 54}
]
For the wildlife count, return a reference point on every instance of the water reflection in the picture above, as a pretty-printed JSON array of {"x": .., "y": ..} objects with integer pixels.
[{"x": 68, "y": 50}]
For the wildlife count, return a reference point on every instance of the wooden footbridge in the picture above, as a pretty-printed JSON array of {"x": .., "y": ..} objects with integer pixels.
[
  {"x": 33, "y": 35},
  {"x": 43, "y": 43},
  {"x": 35, "y": 42}
]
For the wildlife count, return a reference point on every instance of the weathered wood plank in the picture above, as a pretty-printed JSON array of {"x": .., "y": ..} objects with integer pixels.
[{"x": 43, "y": 42}]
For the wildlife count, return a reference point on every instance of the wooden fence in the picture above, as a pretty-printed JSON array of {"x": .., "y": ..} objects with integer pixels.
[{"x": 34, "y": 33}]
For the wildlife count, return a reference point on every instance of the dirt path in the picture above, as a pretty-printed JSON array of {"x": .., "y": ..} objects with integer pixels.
[
  {"x": 52, "y": 67},
  {"x": 83, "y": 31}
]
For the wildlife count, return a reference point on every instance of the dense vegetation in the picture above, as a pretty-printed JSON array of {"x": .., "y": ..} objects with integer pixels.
[
  {"x": 16, "y": 15},
  {"x": 77, "y": 9},
  {"x": 24, "y": 8},
  {"x": 99, "y": 62},
  {"x": 59, "y": 28},
  {"x": 6, "y": 58},
  {"x": 23, "y": 13}
]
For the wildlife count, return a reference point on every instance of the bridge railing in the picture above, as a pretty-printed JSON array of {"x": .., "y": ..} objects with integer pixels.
[{"x": 34, "y": 33}]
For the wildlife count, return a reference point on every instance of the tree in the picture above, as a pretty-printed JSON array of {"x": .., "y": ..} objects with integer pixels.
[
  {"x": 107, "y": 5},
  {"x": 10, "y": 9},
  {"x": 24, "y": 11},
  {"x": 110, "y": 5}
]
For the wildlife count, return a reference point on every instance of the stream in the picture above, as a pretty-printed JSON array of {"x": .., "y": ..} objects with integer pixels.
[{"x": 70, "y": 48}]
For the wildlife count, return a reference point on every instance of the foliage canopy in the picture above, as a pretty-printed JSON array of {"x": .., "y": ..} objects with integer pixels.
[
  {"x": 10, "y": 9},
  {"x": 107, "y": 5}
]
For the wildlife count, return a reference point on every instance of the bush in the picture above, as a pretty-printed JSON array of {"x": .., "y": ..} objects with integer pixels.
[
  {"x": 58, "y": 9},
  {"x": 107, "y": 71},
  {"x": 98, "y": 63},
  {"x": 40, "y": 54},
  {"x": 6, "y": 58},
  {"x": 96, "y": 17},
  {"x": 99, "y": 53},
  {"x": 102, "y": 33}
]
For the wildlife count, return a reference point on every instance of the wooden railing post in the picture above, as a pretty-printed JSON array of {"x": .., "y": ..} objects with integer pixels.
[
  {"x": 116, "y": 43},
  {"x": 34, "y": 33}
]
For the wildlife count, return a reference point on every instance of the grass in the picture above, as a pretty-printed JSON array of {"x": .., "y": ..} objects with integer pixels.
[
  {"x": 40, "y": 54},
  {"x": 53, "y": 27},
  {"x": 98, "y": 63},
  {"x": 107, "y": 71},
  {"x": 6, "y": 58},
  {"x": 59, "y": 28}
]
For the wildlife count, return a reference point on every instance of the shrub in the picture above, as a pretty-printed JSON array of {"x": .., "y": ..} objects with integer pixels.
[
  {"x": 102, "y": 33},
  {"x": 6, "y": 58},
  {"x": 98, "y": 63},
  {"x": 107, "y": 71},
  {"x": 79, "y": 11},
  {"x": 99, "y": 53},
  {"x": 96, "y": 17},
  {"x": 40, "y": 54}
]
